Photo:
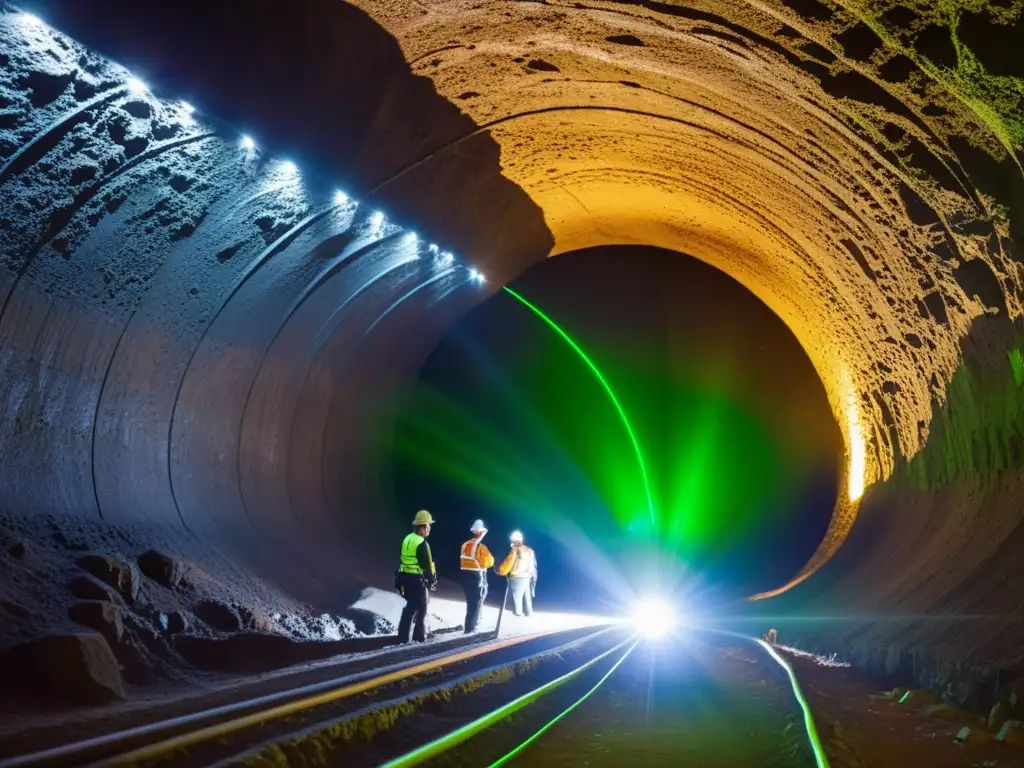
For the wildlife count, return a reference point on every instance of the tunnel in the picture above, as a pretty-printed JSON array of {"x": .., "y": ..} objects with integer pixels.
[{"x": 218, "y": 223}]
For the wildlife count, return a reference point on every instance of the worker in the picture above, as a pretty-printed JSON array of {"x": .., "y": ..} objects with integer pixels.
[
  {"x": 475, "y": 559},
  {"x": 415, "y": 576},
  {"x": 521, "y": 568}
]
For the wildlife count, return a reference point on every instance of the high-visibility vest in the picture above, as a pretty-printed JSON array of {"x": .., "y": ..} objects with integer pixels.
[
  {"x": 411, "y": 563},
  {"x": 520, "y": 563},
  {"x": 468, "y": 556}
]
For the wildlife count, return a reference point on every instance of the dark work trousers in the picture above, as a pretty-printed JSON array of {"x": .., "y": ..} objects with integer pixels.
[
  {"x": 475, "y": 584},
  {"x": 522, "y": 600},
  {"x": 417, "y": 598}
]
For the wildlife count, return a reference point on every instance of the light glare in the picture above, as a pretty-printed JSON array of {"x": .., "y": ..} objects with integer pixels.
[
  {"x": 32, "y": 21},
  {"x": 289, "y": 167},
  {"x": 376, "y": 221},
  {"x": 447, "y": 258},
  {"x": 248, "y": 144},
  {"x": 653, "y": 617},
  {"x": 136, "y": 86},
  {"x": 340, "y": 198},
  {"x": 858, "y": 458}
]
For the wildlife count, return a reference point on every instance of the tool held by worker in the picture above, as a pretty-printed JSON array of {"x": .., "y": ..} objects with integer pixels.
[{"x": 415, "y": 579}]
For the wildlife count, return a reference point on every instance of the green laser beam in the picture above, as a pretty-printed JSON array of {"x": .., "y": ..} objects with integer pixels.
[
  {"x": 608, "y": 390},
  {"x": 456, "y": 737},
  {"x": 564, "y": 712},
  {"x": 812, "y": 730}
]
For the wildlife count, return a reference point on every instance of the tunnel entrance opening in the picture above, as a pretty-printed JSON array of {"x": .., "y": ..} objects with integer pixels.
[{"x": 506, "y": 422}]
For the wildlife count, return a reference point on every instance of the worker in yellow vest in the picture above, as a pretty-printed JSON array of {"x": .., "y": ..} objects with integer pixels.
[
  {"x": 416, "y": 574},
  {"x": 521, "y": 568},
  {"x": 475, "y": 559}
]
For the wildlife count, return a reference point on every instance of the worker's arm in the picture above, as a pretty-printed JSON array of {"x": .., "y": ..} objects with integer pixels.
[
  {"x": 484, "y": 557},
  {"x": 534, "y": 558},
  {"x": 506, "y": 565},
  {"x": 426, "y": 561}
]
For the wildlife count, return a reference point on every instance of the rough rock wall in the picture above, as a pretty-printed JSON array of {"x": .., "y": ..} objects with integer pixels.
[
  {"x": 195, "y": 333},
  {"x": 856, "y": 165}
]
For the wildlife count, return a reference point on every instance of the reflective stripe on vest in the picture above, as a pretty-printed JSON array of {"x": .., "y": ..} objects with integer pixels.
[
  {"x": 411, "y": 563},
  {"x": 469, "y": 562}
]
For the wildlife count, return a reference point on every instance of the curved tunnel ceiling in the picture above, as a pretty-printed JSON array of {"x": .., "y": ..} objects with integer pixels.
[{"x": 207, "y": 336}]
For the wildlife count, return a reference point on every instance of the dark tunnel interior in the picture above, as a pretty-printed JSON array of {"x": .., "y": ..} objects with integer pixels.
[
  {"x": 213, "y": 305},
  {"x": 507, "y": 423}
]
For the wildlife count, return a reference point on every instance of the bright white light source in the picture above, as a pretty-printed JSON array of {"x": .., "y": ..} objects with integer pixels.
[
  {"x": 340, "y": 198},
  {"x": 30, "y": 20},
  {"x": 474, "y": 275},
  {"x": 447, "y": 258},
  {"x": 136, "y": 87},
  {"x": 187, "y": 110},
  {"x": 653, "y": 617},
  {"x": 289, "y": 167},
  {"x": 411, "y": 237},
  {"x": 247, "y": 143}
]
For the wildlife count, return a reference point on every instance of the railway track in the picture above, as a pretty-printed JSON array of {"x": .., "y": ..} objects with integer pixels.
[
  {"x": 529, "y": 730},
  {"x": 521, "y": 700},
  {"x": 249, "y": 725}
]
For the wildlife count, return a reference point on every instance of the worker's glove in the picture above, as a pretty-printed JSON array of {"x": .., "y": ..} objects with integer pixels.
[{"x": 433, "y": 586}]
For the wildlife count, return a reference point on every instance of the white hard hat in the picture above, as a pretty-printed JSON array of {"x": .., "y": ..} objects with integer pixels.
[
  {"x": 478, "y": 525},
  {"x": 517, "y": 536}
]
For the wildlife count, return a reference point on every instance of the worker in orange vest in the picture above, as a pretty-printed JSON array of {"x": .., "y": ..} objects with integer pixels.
[
  {"x": 521, "y": 568},
  {"x": 475, "y": 560}
]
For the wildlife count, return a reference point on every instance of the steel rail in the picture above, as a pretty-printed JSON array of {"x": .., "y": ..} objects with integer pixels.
[
  {"x": 448, "y": 741},
  {"x": 103, "y": 750}
]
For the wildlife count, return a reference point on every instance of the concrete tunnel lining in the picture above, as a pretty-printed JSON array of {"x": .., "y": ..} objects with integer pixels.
[{"x": 740, "y": 134}]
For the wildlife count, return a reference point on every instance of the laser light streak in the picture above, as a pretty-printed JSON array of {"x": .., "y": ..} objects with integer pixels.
[{"x": 611, "y": 396}]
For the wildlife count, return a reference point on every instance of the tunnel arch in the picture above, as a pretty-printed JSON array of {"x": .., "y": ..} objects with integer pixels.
[{"x": 849, "y": 194}]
